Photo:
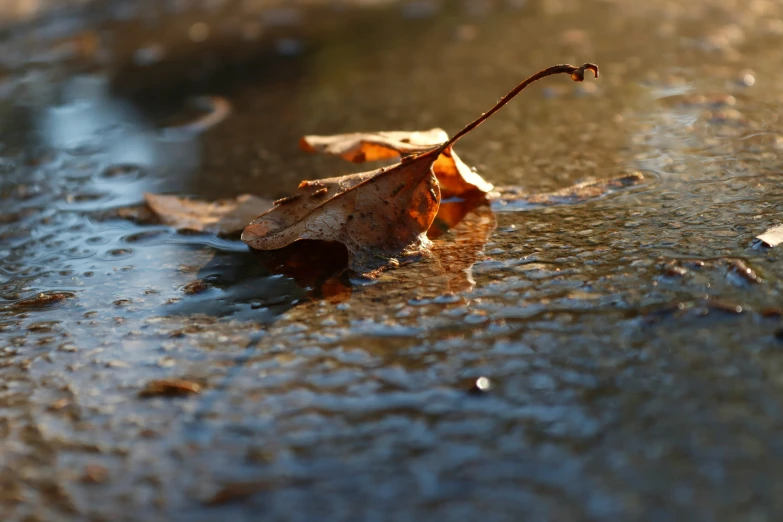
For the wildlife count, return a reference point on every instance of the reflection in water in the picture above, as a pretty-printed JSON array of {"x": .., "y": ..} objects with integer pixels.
[
  {"x": 261, "y": 285},
  {"x": 90, "y": 122},
  {"x": 239, "y": 286},
  {"x": 359, "y": 407},
  {"x": 456, "y": 255}
]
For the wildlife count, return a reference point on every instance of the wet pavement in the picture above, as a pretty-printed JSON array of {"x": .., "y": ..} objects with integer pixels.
[{"x": 632, "y": 344}]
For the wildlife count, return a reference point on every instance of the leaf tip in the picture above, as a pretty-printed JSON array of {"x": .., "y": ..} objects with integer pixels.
[{"x": 305, "y": 145}]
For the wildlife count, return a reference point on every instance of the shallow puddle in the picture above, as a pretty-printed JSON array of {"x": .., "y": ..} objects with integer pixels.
[{"x": 630, "y": 343}]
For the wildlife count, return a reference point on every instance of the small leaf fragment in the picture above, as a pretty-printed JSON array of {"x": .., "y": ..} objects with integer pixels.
[
  {"x": 237, "y": 491},
  {"x": 223, "y": 217},
  {"x": 772, "y": 237},
  {"x": 43, "y": 300},
  {"x": 170, "y": 388}
]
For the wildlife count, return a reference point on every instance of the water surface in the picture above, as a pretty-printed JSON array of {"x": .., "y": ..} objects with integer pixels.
[{"x": 633, "y": 359}]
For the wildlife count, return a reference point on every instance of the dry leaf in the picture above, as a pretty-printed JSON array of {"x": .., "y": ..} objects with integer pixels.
[
  {"x": 223, "y": 217},
  {"x": 170, "y": 388},
  {"x": 456, "y": 179},
  {"x": 772, "y": 237},
  {"x": 238, "y": 491},
  {"x": 377, "y": 215},
  {"x": 515, "y": 198}
]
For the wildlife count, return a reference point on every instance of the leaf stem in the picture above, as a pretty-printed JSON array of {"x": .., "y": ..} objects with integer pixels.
[{"x": 577, "y": 74}]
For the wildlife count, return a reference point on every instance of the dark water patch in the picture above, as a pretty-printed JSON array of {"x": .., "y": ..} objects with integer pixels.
[
  {"x": 238, "y": 286},
  {"x": 123, "y": 172},
  {"x": 98, "y": 240},
  {"x": 79, "y": 252},
  {"x": 117, "y": 254}
]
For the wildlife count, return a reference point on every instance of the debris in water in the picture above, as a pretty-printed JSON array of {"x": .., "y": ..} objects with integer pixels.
[
  {"x": 222, "y": 217},
  {"x": 738, "y": 270},
  {"x": 772, "y": 237},
  {"x": 94, "y": 474},
  {"x": 195, "y": 287},
  {"x": 237, "y": 491},
  {"x": 42, "y": 300},
  {"x": 170, "y": 388}
]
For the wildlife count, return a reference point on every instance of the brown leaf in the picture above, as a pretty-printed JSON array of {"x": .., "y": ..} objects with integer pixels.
[
  {"x": 170, "y": 388},
  {"x": 377, "y": 215},
  {"x": 43, "y": 300},
  {"x": 455, "y": 177},
  {"x": 579, "y": 193},
  {"x": 238, "y": 491},
  {"x": 223, "y": 217}
]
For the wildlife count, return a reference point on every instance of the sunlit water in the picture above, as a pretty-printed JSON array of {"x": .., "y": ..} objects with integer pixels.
[{"x": 633, "y": 360}]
